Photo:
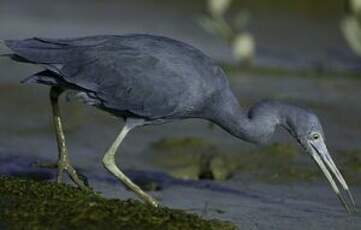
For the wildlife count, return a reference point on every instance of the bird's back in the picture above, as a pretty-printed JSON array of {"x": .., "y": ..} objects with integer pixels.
[{"x": 133, "y": 75}]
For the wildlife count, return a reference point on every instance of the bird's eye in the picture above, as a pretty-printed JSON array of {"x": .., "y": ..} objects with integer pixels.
[{"x": 315, "y": 136}]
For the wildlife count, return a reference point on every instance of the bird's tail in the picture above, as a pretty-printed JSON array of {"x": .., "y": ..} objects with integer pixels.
[{"x": 4, "y": 50}]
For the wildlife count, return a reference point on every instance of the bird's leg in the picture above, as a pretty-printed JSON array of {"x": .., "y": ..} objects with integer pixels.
[
  {"x": 63, "y": 163},
  {"x": 110, "y": 165}
]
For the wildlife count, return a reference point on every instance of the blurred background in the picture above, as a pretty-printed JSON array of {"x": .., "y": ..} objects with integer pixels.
[{"x": 304, "y": 52}]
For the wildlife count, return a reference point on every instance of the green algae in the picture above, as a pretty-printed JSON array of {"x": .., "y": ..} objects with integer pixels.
[
  {"x": 195, "y": 158},
  {"x": 180, "y": 157},
  {"x": 277, "y": 163},
  {"x": 26, "y": 204},
  {"x": 189, "y": 158}
]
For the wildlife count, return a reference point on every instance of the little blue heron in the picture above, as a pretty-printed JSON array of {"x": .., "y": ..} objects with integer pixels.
[{"x": 148, "y": 79}]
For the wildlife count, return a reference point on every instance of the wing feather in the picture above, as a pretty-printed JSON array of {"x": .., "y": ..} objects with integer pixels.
[
  {"x": 148, "y": 76},
  {"x": 128, "y": 80},
  {"x": 52, "y": 51}
]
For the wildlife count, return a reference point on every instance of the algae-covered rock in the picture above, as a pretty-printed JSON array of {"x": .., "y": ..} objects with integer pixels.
[
  {"x": 195, "y": 158},
  {"x": 180, "y": 157},
  {"x": 190, "y": 158},
  {"x": 277, "y": 163},
  {"x": 26, "y": 204}
]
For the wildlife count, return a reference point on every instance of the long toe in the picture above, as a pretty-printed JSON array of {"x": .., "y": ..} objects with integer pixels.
[
  {"x": 84, "y": 179},
  {"x": 148, "y": 199},
  {"x": 47, "y": 165},
  {"x": 80, "y": 180},
  {"x": 153, "y": 203}
]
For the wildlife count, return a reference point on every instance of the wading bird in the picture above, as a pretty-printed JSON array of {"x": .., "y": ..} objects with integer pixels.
[{"x": 148, "y": 79}]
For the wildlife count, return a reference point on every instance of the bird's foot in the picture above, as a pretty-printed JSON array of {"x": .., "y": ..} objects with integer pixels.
[
  {"x": 143, "y": 195},
  {"x": 80, "y": 180},
  {"x": 151, "y": 201}
]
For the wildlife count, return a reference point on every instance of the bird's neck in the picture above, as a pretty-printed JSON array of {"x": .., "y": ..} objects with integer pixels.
[{"x": 256, "y": 124}]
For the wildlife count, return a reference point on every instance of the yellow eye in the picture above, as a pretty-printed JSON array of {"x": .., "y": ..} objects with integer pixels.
[{"x": 315, "y": 136}]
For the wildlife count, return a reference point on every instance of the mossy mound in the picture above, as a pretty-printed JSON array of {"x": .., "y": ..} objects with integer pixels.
[{"x": 26, "y": 204}]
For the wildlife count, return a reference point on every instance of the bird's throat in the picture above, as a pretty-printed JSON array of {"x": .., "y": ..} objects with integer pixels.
[{"x": 255, "y": 125}]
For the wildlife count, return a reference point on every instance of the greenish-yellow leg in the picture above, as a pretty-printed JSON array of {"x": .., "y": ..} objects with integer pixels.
[
  {"x": 63, "y": 163},
  {"x": 110, "y": 165}
]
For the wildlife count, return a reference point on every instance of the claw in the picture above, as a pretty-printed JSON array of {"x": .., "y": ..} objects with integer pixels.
[{"x": 79, "y": 179}]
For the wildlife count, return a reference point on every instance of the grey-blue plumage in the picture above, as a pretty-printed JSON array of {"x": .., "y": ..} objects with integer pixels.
[
  {"x": 150, "y": 77},
  {"x": 136, "y": 75},
  {"x": 158, "y": 79}
]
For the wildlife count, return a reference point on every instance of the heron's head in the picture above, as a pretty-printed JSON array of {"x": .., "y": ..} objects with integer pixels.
[{"x": 306, "y": 128}]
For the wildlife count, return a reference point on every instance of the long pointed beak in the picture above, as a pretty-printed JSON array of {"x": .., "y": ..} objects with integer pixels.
[{"x": 322, "y": 157}]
